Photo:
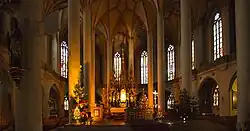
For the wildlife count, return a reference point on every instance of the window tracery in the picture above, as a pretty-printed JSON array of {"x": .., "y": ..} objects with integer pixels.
[
  {"x": 144, "y": 67},
  {"x": 64, "y": 59},
  {"x": 117, "y": 65},
  {"x": 216, "y": 96},
  {"x": 217, "y": 37},
  {"x": 171, "y": 62}
]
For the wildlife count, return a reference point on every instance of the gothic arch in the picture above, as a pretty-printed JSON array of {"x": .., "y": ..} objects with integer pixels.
[
  {"x": 234, "y": 77},
  {"x": 206, "y": 93},
  {"x": 54, "y": 100},
  {"x": 233, "y": 94}
]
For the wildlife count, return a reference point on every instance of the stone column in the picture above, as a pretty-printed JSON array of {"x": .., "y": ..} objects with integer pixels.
[
  {"x": 28, "y": 98},
  {"x": 92, "y": 80},
  {"x": 243, "y": 63},
  {"x": 109, "y": 70},
  {"x": 150, "y": 69},
  {"x": 74, "y": 47},
  {"x": 160, "y": 62},
  {"x": 131, "y": 56},
  {"x": 186, "y": 62},
  {"x": 87, "y": 50},
  {"x": 199, "y": 47}
]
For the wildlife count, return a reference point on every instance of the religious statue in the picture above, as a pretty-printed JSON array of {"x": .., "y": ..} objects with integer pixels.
[{"x": 15, "y": 40}]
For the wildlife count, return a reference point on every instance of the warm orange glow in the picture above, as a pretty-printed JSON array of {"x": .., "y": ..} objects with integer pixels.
[
  {"x": 97, "y": 113},
  {"x": 74, "y": 71},
  {"x": 123, "y": 95}
]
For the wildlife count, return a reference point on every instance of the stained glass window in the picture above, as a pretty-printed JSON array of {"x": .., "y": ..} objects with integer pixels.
[
  {"x": 171, "y": 62},
  {"x": 216, "y": 96},
  {"x": 64, "y": 59},
  {"x": 66, "y": 103},
  {"x": 193, "y": 55},
  {"x": 170, "y": 102},
  {"x": 144, "y": 67},
  {"x": 117, "y": 65},
  {"x": 217, "y": 36}
]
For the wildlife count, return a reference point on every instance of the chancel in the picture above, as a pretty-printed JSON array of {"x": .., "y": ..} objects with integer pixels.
[{"x": 65, "y": 64}]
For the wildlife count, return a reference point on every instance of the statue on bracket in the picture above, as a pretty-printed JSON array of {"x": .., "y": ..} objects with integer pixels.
[{"x": 15, "y": 42}]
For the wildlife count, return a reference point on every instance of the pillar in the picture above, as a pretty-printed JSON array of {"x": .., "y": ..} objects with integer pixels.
[
  {"x": 109, "y": 70},
  {"x": 131, "y": 55},
  {"x": 74, "y": 47},
  {"x": 28, "y": 98},
  {"x": 150, "y": 69},
  {"x": 243, "y": 63},
  {"x": 186, "y": 62},
  {"x": 92, "y": 80},
  {"x": 87, "y": 52},
  {"x": 160, "y": 62}
]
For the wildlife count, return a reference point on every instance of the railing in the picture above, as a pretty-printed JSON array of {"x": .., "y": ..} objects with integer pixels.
[{"x": 138, "y": 114}]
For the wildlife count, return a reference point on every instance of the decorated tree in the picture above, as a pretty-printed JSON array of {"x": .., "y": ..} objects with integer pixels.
[
  {"x": 80, "y": 103},
  {"x": 142, "y": 101},
  {"x": 184, "y": 105}
]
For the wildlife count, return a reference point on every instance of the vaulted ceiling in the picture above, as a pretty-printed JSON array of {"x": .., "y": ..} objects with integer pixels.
[
  {"x": 132, "y": 17},
  {"x": 126, "y": 16}
]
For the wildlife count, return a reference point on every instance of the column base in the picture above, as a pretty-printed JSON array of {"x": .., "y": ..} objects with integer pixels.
[{"x": 242, "y": 126}]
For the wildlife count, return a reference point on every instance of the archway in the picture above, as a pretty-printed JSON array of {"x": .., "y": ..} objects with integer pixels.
[
  {"x": 233, "y": 87},
  {"x": 54, "y": 101},
  {"x": 208, "y": 95}
]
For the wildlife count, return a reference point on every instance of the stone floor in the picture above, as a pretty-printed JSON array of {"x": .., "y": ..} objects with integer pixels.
[
  {"x": 193, "y": 125},
  {"x": 197, "y": 125}
]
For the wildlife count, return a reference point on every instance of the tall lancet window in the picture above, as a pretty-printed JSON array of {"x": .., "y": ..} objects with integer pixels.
[
  {"x": 144, "y": 67},
  {"x": 216, "y": 97},
  {"x": 117, "y": 65},
  {"x": 217, "y": 36},
  {"x": 193, "y": 55},
  {"x": 171, "y": 62},
  {"x": 64, "y": 59}
]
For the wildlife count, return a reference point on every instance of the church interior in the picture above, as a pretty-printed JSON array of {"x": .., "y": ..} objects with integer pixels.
[{"x": 101, "y": 56}]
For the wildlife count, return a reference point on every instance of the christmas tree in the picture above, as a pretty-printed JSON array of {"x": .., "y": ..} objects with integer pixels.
[
  {"x": 80, "y": 102},
  {"x": 143, "y": 101},
  {"x": 184, "y": 106}
]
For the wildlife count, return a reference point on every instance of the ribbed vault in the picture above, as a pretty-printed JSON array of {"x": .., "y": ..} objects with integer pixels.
[{"x": 126, "y": 16}]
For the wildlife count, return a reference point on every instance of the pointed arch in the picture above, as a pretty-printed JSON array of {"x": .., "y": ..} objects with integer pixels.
[
  {"x": 217, "y": 37},
  {"x": 144, "y": 67},
  {"x": 64, "y": 59},
  {"x": 171, "y": 62}
]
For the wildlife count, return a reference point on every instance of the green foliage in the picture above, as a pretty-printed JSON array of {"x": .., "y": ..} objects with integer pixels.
[
  {"x": 78, "y": 90},
  {"x": 80, "y": 103},
  {"x": 142, "y": 101},
  {"x": 184, "y": 105}
]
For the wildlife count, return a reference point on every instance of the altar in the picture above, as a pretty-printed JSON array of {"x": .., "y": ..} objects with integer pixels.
[
  {"x": 121, "y": 92},
  {"x": 117, "y": 110}
]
